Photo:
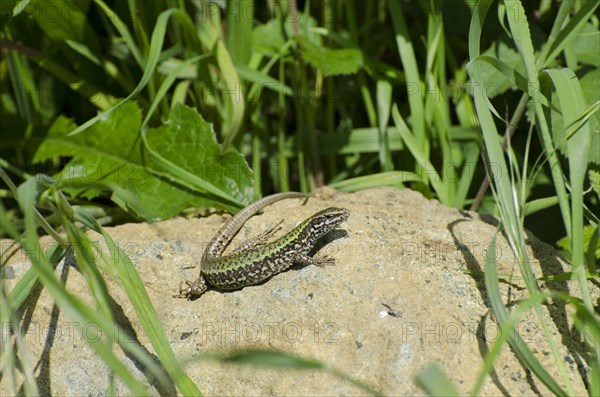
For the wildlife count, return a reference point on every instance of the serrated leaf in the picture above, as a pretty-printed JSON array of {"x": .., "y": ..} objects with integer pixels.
[
  {"x": 587, "y": 39},
  {"x": 188, "y": 143},
  {"x": 329, "y": 61},
  {"x": 588, "y": 233},
  {"x": 269, "y": 40},
  {"x": 100, "y": 156},
  {"x": 109, "y": 157}
]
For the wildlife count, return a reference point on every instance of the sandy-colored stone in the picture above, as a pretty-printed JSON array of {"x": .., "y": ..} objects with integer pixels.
[{"x": 403, "y": 295}]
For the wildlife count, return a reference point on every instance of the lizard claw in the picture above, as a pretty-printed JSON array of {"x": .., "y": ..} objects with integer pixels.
[
  {"x": 193, "y": 289},
  {"x": 184, "y": 292},
  {"x": 324, "y": 261}
]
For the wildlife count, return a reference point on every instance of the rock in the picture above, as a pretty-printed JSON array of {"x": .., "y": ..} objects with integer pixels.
[{"x": 406, "y": 292}]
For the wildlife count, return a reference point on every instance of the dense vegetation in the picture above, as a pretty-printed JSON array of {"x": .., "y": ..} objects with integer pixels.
[{"x": 117, "y": 111}]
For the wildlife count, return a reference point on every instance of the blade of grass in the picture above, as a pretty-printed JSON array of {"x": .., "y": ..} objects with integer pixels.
[
  {"x": 239, "y": 29},
  {"x": 233, "y": 95},
  {"x": 166, "y": 85},
  {"x": 156, "y": 42},
  {"x": 75, "y": 309},
  {"x": 261, "y": 81},
  {"x": 105, "y": 322},
  {"x": 384, "y": 104},
  {"x": 516, "y": 78},
  {"x": 147, "y": 316},
  {"x": 123, "y": 31},
  {"x": 425, "y": 168},
  {"x": 469, "y": 166},
  {"x": 435, "y": 382},
  {"x": 95, "y": 95},
  {"x": 509, "y": 203},
  {"x": 507, "y": 323},
  {"x": 391, "y": 178},
  {"x": 413, "y": 80},
  {"x": 573, "y": 103},
  {"x": 276, "y": 359},
  {"x": 520, "y": 30},
  {"x": 24, "y": 87},
  {"x": 568, "y": 32},
  {"x": 557, "y": 26},
  {"x": 26, "y": 283}
]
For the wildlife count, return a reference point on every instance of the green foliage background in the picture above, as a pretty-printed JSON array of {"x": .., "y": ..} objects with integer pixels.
[{"x": 115, "y": 111}]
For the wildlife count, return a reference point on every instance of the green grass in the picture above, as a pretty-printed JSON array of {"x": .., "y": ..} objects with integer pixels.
[{"x": 214, "y": 107}]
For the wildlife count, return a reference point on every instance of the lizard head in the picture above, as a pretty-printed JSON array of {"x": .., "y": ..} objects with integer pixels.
[{"x": 324, "y": 221}]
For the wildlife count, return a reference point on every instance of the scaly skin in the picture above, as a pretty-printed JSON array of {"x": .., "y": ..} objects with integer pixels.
[{"x": 253, "y": 264}]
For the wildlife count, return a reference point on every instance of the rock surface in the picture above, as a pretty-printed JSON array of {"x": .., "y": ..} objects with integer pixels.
[{"x": 405, "y": 293}]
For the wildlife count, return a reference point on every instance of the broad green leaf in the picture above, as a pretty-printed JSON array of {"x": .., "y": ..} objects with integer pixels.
[
  {"x": 111, "y": 140},
  {"x": 62, "y": 20},
  {"x": 224, "y": 174},
  {"x": 495, "y": 78},
  {"x": 329, "y": 61},
  {"x": 109, "y": 157},
  {"x": 583, "y": 43},
  {"x": 588, "y": 233},
  {"x": 267, "y": 38},
  {"x": 306, "y": 25}
]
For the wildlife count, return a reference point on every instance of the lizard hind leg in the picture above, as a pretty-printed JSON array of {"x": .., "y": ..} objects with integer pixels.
[
  {"x": 322, "y": 261},
  {"x": 261, "y": 239},
  {"x": 193, "y": 290}
]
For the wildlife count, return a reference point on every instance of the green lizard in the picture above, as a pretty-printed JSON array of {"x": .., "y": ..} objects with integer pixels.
[{"x": 254, "y": 261}]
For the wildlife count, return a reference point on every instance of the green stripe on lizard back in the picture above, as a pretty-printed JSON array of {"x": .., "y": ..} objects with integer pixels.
[
  {"x": 252, "y": 264},
  {"x": 219, "y": 243}
]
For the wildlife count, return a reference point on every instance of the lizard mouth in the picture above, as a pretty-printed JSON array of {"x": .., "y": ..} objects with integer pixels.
[{"x": 339, "y": 215}]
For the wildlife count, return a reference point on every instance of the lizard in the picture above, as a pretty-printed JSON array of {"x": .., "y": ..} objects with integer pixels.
[{"x": 255, "y": 261}]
